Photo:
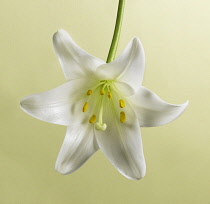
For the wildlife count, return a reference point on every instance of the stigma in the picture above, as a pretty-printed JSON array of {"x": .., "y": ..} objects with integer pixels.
[{"x": 100, "y": 127}]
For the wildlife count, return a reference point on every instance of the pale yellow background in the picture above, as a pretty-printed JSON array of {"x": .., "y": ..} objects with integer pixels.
[{"x": 176, "y": 38}]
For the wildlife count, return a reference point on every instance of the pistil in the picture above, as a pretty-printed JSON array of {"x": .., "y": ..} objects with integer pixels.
[{"x": 100, "y": 126}]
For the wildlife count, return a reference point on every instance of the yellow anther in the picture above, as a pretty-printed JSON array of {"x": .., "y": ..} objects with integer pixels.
[
  {"x": 121, "y": 103},
  {"x": 89, "y": 92},
  {"x": 109, "y": 94},
  {"x": 102, "y": 92},
  {"x": 85, "y": 107},
  {"x": 92, "y": 119},
  {"x": 122, "y": 117}
]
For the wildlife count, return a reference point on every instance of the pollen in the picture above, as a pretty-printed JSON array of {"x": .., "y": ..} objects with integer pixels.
[
  {"x": 92, "y": 119},
  {"x": 109, "y": 95},
  {"x": 102, "y": 92},
  {"x": 85, "y": 107},
  {"x": 122, "y": 117},
  {"x": 89, "y": 92},
  {"x": 121, "y": 103}
]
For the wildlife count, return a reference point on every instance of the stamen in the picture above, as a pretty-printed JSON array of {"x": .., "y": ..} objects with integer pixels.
[
  {"x": 109, "y": 95},
  {"x": 121, "y": 103},
  {"x": 103, "y": 89},
  {"x": 89, "y": 92},
  {"x": 92, "y": 119},
  {"x": 102, "y": 92},
  {"x": 95, "y": 87},
  {"x": 122, "y": 117},
  {"x": 85, "y": 107}
]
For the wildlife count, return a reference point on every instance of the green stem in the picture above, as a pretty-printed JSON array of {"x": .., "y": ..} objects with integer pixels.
[{"x": 116, "y": 35}]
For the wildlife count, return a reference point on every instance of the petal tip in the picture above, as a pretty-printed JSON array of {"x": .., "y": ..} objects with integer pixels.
[
  {"x": 61, "y": 169},
  {"x": 139, "y": 46},
  {"x": 59, "y": 32},
  {"x": 135, "y": 174},
  {"x": 23, "y": 104},
  {"x": 62, "y": 31},
  {"x": 139, "y": 178},
  {"x": 142, "y": 173},
  {"x": 184, "y": 105},
  {"x": 62, "y": 172},
  {"x": 135, "y": 177},
  {"x": 135, "y": 38}
]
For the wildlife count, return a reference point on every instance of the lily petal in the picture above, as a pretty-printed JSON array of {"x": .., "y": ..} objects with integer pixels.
[
  {"x": 75, "y": 62},
  {"x": 152, "y": 111},
  {"x": 127, "y": 68},
  {"x": 62, "y": 105},
  {"x": 78, "y": 146},
  {"x": 121, "y": 142}
]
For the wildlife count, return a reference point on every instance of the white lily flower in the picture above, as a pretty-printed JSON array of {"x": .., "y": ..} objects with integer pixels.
[{"x": 103, "y": 105}]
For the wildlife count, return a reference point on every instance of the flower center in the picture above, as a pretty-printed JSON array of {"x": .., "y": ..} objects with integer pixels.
[{"x": 103, "y": 93}]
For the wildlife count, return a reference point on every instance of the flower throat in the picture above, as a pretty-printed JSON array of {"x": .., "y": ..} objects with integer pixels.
[{"x": 103, "y": 89}]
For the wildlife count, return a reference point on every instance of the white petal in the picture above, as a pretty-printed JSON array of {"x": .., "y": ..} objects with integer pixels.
[
  {"x": 121, "y": 142},
  {"x": 78, "y": 146},
  {"x": 62, "y": 105},
  {"x": 153, "y": 111},
  {"x": 74, "y": 61},
  {"x": 127, "y": 68},
  {"x": 123, "y": 88}
]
